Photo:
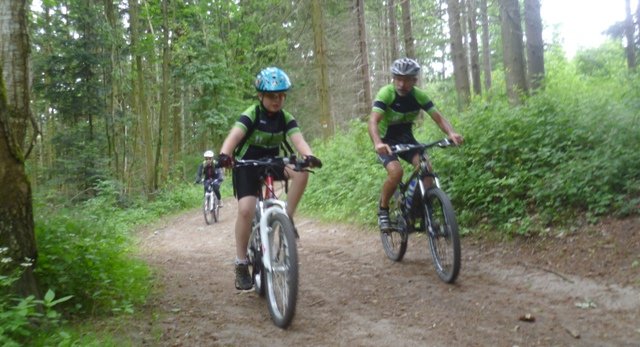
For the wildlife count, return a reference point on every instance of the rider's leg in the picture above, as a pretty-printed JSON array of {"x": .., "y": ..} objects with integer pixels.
[
  {"x": 394, "y": 175},
  {"x": 216, "y": 191},
  {"x": 296, "y": 189},
  {"x": 246, "y": 211}
]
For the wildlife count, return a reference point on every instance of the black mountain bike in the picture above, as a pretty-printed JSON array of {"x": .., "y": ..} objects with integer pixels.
[{"x": 416, "y": 208}]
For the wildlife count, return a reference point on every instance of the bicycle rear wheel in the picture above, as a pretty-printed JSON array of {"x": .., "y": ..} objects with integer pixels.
[
  {"x": 394, "y": 240},
  {"x": 444, "y": 238},
  {"x": 206, "y": 209},
  {"x": 282, "y": 280}
]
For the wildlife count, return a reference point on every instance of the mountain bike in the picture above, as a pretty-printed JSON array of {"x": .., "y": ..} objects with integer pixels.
[
  {"x": 272, "y": 250},
  {"x": 417, "y": 208},
  {"x": 211, "y": 204}
]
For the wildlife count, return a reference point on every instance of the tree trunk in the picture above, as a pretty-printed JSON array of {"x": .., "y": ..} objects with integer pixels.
[
  {"x": 145, "y": 144},
  {"x": 17, "y": 237},
  {"x": 513, "y": 51},
  {"x": 535, "y": 45},
  {"x": 326, "y": 121},
  {"x": 393, "y": 30},
  {"x": 629, "y": 32},
  {"x": 460, "y": 69},
  {"x": 486, "y": 46},
  {"x": 364, "y": 59},
  {"x": 162, "y": 145},
  {"x": 409, "y": 47},
  {"x": 473, "y": 47}
]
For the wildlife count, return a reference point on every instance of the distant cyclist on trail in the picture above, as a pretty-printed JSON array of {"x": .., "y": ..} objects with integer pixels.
[
  {"x": 395, "y": 109},
  {"x": 257, "y": 134},
  {"x": 212, "y": 175}
]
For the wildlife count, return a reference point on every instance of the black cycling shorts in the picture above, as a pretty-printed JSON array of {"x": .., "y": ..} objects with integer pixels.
[
  {"x": 407, "y": 156},
  {"x": 246, "y": 180}
]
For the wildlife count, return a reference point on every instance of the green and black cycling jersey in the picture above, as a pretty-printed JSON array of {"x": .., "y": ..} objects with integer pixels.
[
  {"x": 400, "y": 112},
  {"x": 265, "y": 133}
]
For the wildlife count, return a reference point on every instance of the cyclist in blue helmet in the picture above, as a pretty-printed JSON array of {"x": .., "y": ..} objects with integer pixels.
[{"x": 258, "y": 133}]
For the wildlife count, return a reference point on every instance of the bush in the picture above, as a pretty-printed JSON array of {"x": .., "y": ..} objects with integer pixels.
[{"x": 569, "y": 150}]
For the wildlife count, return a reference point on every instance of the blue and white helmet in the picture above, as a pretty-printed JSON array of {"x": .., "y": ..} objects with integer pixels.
[{"x": 272, "y": 79}]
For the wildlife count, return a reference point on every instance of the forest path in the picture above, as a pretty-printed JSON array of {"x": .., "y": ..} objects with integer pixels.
[{"x": 581, "y": 289}]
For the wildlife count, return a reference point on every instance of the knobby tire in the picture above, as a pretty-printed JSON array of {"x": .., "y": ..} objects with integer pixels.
[
  {"x": 394, "y": 240},
  {"x": 282, "y": 281},
  {"x": 444, "y": 241},
  {"x": 208, "y": 218}
]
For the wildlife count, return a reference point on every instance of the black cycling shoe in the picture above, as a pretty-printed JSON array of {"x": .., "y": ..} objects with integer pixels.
[
  {"x": 383, "y": 219},
  {"x": 243, "y": 278}
]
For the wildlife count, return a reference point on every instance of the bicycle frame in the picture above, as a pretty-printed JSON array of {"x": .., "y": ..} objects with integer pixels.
[
  {"x": 268, "y": 205},
  {"x": 419, "y": 173}
]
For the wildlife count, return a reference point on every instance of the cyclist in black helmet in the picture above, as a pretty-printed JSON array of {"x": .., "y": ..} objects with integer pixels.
[{"x": 395, "y": 109}]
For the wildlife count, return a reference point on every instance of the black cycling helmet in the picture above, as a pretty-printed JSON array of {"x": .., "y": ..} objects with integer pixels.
[{"x": 405, "y": 67}]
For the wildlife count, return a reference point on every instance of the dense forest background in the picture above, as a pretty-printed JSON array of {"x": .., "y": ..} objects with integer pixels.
[
  {"x": 108, "y": 105},
  {"x": 126, "y": 91}
]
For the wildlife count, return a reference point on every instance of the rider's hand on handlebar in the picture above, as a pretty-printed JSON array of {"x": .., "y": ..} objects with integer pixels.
[
  {"x": 383, "y": 148},
  {"x": 313, "y": 161},
  {"x": 225, "y": 160},
  {"x": 456, "y": 138}
]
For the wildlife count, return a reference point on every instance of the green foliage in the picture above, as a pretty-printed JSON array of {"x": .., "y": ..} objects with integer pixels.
[
  {"x": 570, "y": 150},
  {"x": 346, "y": 187},
  {"x": 19, "y": 316},
  {"x": 87, "y": 254}
]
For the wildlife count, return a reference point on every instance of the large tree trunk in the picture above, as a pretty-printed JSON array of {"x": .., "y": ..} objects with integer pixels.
[
  {"x": 17, "y": 237},
  {"x": 460, "y": 68},
  {"x": 535, "y": 45},
  {"x": 629, "y": 32},
  {"x": 364, "y": 59},
  {"x": 140, "y": 101},
  {"x": 393, "y": 30},
  {"x": 486, "y": 46},
  {"x": 409, "y": 46},
  {"x": 326, "y": 120},
  {"x": 162, "y": 144},
  {"x": 474, "y": 53},
  {"x": 513, "y": 50}
]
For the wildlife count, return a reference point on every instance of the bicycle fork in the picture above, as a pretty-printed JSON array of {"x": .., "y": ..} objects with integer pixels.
[
  {"x": 428, "y": 211},
  {"x": 275, "y": 206}
]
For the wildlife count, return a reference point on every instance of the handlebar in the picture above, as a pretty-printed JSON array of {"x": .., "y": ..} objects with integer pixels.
[
  {"x": 407, "y": 147},
  {"x": 299, "y": 164}
]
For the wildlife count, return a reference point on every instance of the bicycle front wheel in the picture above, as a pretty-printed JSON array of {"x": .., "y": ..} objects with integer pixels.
[
  {"x": 444, "y": 238},
  {"x": 206, "y": 209},
  {"x": 394, "y": 240},
  {"x": 282, "y": 280}
]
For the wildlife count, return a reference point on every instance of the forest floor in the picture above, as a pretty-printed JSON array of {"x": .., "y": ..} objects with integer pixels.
[{"x": 573, "y": 289}]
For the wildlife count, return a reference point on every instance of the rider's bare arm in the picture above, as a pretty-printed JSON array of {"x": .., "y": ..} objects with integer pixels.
[
  {"x": 233, "y": 139},
  {"x": 300, "y": 144},
  {"x": 378, "y": 145},
  {"x": 445, "y": 126}
]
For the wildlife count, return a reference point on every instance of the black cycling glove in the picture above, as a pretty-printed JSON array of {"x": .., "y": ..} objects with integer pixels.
[{"x": 313, "y": 161}]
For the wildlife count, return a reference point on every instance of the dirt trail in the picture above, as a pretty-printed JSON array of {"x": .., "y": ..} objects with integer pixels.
[{"x": 579, "y": 290}]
